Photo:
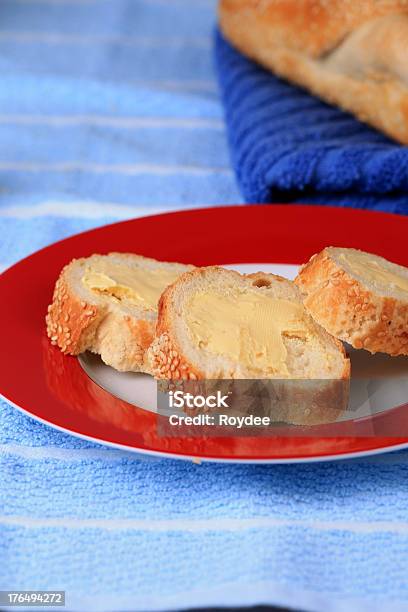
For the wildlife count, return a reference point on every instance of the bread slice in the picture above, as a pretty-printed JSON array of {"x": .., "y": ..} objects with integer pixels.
[
  {"x": 107, "y": 304},
  {"x": 358, "y": 297},
  {"x": 188, "y": 331}
]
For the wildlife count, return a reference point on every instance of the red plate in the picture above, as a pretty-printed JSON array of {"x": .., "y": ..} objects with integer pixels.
[{"x": 54, "y": 389}]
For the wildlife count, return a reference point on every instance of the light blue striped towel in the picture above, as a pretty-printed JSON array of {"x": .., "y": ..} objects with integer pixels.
[{"x": 108, "y": 109}]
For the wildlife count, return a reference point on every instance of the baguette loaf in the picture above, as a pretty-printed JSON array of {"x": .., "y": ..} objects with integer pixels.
[
  {"x": 359, "y": 298},
  {"x": 216, "y": 323},
  {"x": 353, "y": 53},
  {"x": 107, "y": 304}
]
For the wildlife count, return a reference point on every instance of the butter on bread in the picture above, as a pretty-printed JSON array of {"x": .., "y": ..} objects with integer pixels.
[
  {"x": 216, "y": 323},
  {"x": 359, "y": 298},
  {"x": 107, "y": 304},
  {"x": 352, "y": 53}
]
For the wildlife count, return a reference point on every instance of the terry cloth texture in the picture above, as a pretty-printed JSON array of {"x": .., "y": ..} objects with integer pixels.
[{"x": 289, "y": 146}]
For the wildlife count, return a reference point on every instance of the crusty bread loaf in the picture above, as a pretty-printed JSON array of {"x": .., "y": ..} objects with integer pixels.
[
  {"x": 175, "y": 354},
  {"x": 359, "y": 298},
  {"x": 113, "y": 322},
  {"x": 353, "y": 53}
]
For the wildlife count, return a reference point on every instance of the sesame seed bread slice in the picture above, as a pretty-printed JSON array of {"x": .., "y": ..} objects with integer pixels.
[
  {"x": 358, "y": 297},
  {"x": 113, "y": 317},
  {"x": 176, "y": 353}
]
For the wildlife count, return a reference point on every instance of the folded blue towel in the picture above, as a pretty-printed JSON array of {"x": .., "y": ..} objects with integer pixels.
[{"x": 287, "y": 145}]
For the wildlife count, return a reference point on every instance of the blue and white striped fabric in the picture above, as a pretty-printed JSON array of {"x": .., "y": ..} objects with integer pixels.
[{"x": 108, "y": 110}]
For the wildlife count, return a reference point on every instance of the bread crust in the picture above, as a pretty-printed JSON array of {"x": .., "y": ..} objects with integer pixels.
[
  {"x": 68, "y": 318},
  {"x": 349, "y": 53},
  {"x": 165, "y": 357},
  {"x": 349, "y": 310},
  {"x": 76, "y": 325}
]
